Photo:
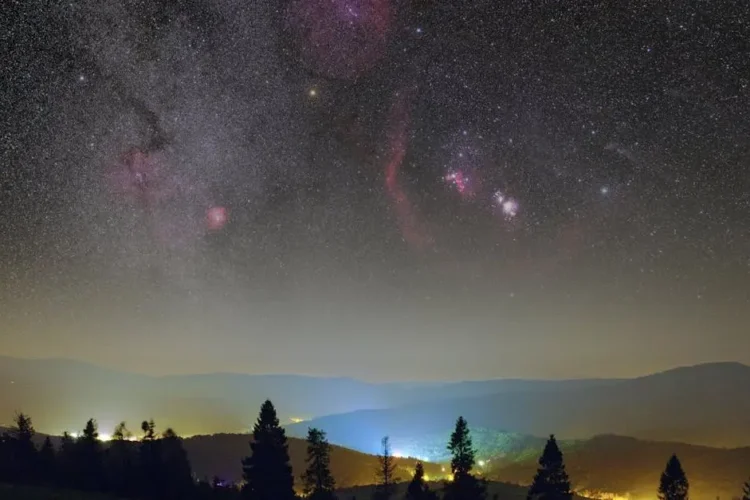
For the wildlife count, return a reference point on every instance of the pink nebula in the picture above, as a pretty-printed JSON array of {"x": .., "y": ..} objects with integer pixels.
[
  {"x": 340, "y": 38},
  {"x": 216, "y": 218}
]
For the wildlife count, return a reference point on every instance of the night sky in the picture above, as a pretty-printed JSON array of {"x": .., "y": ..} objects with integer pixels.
[{"x": 381, "y": 189}]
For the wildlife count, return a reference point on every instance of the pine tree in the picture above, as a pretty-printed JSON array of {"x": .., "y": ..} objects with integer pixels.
[
  {"x": 318, "y": 480},
  {"x": 89, "y": 458},
  {"x": 674, "y": 483},
  {"x": 24, "y": 462},
  {"x": 386, "y": 473},
  {"x": 746, "y": 490},
  {"x": 415, "y": 490},
  {"x": 551, "y": 480},
  {"x": 418, "y": 488},
  {"x": 266, "y": 471},
  {"x": 461, "y": 449},
  {"x": 464, "y": 485}
]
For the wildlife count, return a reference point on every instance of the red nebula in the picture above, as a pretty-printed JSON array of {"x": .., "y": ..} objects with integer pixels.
[
  {"x": 411, "y": 228},
  {"x": 340, "y": 38},
  {"x": 216, "y": 218}
]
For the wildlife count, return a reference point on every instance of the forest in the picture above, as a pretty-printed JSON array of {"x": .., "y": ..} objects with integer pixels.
[{"x": 156, "y": 466}]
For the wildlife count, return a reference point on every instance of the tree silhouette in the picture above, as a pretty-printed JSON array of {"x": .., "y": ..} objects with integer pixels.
[
  {"x": 386, "y": 473},
  {"x": 464, "y": 485},
  {"x": 674, "y": 483},
  {"x": 551, "y": 480},
  {"x": 89, "y": 459},
  {"x": 318, "y": 480},
  {"x": 121, "y": 462},
  {"x": 174, "y": 467},
  {"x": 23, "y": 452},
  {"x": 418, "y": 488},
  {"x": 461, "y": 449},
  {"x": 266, "y": 471},
  {"x": 149, "y": 453}
]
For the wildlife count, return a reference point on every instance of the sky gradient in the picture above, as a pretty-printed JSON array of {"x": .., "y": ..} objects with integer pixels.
[{"x": 378, "y": 189}]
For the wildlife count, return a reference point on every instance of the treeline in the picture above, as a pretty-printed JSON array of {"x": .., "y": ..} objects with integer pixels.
[{"x": 156, "y": 466}]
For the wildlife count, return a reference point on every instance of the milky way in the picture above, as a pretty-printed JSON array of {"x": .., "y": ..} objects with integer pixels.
[{"x": 501, "y": 188}]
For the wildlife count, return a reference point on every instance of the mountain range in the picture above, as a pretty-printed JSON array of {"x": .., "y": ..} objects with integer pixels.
[
  {"x": 702, "y": 404},
  {"x": 699, "y": 412}
]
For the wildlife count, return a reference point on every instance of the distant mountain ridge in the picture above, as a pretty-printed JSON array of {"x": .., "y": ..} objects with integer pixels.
[{"x": 702, "y": 404}]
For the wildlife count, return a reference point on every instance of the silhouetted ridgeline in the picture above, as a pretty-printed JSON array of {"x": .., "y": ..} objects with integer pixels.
[{"x": 697, "y": 405}]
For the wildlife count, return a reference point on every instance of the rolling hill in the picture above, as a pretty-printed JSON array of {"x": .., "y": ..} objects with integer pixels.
[
  {"x": 220, "y": 455},
  {"x": 699, "y": 405},
  {"x": 702, "y": 405},
  {"x": 598, "y": 466}
]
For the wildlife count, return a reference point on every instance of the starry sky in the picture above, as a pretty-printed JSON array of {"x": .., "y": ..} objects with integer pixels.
[{"x": 383, "y": 189}]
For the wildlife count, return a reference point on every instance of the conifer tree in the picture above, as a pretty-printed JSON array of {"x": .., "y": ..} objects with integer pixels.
[
  {"x": 551, "y": 480},
  {"x": 267, "y": 473},
  {"x": 24, "y": 454},
  {"x": 674, "y": 483},
  {"x": 89, "y": 458},
  {"x": 463, "y": 486},
  {"x": 461, "y": 449},
  {"x": 386, "y": 473},
  {"x": 746, "y": 490},
  {"x": 318, "y": 480},
  {"x": 418, "y": 488}
]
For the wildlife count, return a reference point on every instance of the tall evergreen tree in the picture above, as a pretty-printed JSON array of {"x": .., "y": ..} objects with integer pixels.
[
  {"x": 266, "y": 471},
  {"x": 551, "y": 480},
  {"x": 318, "y": 480},
  {"x": 89, "y": 459},
  {"x": 418, "y": 488},
  {"x": 746, "y": 490},
  {"x": 386, "y": 473},
  {"x": 24, "y": 453},
  {"x": 674, "y": 483},
  {"x": 464, "y": 486},
  {"x": 461, "y": 449}
]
